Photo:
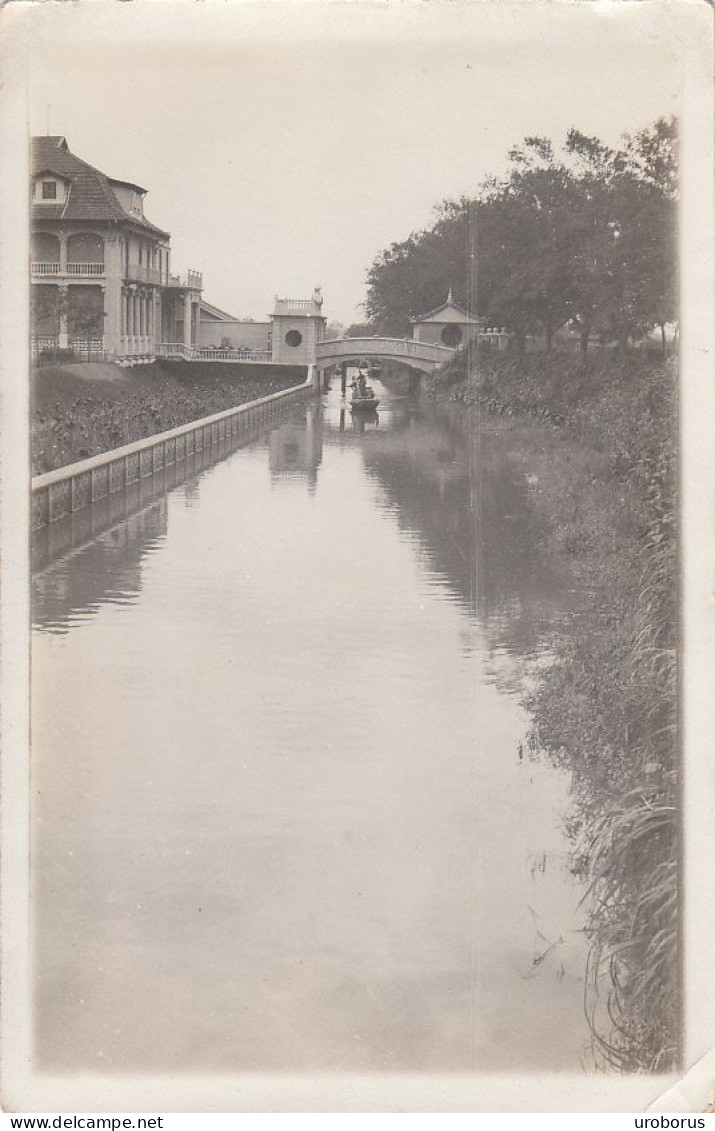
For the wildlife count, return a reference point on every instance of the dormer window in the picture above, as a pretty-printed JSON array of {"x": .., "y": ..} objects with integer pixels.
[
  {"x": 136, "y": 204},
  {"x": 49, "y": 189}
]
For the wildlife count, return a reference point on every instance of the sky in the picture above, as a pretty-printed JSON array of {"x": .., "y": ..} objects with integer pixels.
[{"x": 284, "y": 146}]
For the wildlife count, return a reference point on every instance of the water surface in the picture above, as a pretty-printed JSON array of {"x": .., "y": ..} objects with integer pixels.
[{"x": 282, "y": 815}]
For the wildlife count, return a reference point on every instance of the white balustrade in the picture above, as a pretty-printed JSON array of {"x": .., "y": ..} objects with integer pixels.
[
  {"x": 209, "y": 353},
  {"x": 85, "y": 268}
]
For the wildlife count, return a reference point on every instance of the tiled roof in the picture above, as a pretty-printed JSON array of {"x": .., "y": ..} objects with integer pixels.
[
  {"x": 91, "y": 196},
  {"x": 450, "y": 304}
]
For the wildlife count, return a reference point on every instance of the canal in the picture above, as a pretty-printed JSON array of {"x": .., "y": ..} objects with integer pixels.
[{"x": 283, "y": 817}]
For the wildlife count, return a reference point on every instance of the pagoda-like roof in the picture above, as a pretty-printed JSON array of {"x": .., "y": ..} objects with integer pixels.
[
  {"x": 90, "y": 195},
  {"x": 453, "y": 308}
]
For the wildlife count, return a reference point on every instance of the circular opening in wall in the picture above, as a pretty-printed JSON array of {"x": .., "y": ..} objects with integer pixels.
[
  {"x": 294, "y": 338},
  {"x": 451, "y": 336}
]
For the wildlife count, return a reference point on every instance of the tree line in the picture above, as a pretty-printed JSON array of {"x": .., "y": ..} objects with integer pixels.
[{"x": 584, "y": 236}]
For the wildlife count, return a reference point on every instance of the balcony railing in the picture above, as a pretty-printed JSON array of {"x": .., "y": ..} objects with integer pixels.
[
  {"x": 287, "y": 304},
  {"x": 82, "y": 269},
  {"x": 138, "y": 273},
  {"x": 191, "y": 281},
  {"x": 85, "y": 268}
]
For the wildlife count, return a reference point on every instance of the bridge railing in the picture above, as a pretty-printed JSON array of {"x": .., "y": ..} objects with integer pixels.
[
  {"x": 331, "y": 350},
  {"x": 392, "y": 347},
  {"x": 69, "y": 489}
]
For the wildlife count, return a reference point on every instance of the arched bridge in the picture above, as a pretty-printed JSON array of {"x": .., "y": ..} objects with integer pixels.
[{"x": 419, "y": 355}]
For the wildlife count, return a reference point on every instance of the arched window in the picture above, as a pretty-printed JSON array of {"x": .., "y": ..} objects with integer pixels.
[
  {"x": 85, "y": 247},
  {"x": 293, "y": 338},
  {"x": 451, "y": 336},
  {"x": 45, "y": 248}
]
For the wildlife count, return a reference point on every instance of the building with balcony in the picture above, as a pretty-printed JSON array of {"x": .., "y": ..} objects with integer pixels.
[{"x": 101, "y": 271}]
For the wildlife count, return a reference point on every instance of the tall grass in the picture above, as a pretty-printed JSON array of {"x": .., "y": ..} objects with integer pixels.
[{"x": 606, "y": 709}]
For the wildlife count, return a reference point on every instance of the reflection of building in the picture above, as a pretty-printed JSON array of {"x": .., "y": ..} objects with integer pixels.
[
  {"x": 448, "y": 325},
  {"x": 100, "y": 270},
  {"x": 296, "y": 448}
]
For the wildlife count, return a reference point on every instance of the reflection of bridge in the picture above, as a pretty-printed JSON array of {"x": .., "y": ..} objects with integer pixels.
[{"x": 418, "y": 355}]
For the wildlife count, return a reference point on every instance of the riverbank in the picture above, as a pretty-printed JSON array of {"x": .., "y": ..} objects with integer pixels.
[
  {"x": 606, "y": 707},
  {"x": 82, "y": 410}
]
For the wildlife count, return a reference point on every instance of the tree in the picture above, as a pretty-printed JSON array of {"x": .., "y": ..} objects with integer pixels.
[
  {"x": 524, "y": 247},
  {"x": 625, "y": 263},
  {"x": 416, "y": 275},
  {"x": 586, "y": 237}
]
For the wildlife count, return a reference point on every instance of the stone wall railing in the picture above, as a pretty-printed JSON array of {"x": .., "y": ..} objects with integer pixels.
[{"x": 69, "y": 489}]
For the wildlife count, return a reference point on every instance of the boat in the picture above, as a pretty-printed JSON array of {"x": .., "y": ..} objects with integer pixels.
[
  {"x": 366, "y": 403},
  {"x": 363, "y": 398}
]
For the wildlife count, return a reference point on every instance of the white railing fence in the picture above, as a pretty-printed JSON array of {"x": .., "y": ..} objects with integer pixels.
[
  {"x": 209, "y": 353},
  {"x": 94, "y": 347}
]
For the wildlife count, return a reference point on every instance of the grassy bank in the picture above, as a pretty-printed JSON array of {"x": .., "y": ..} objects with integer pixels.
[
  {"x": 78, "y": 411},
  {"x": 606, "y": 707}
]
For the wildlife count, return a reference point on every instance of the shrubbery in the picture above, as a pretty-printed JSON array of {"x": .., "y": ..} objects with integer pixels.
[{"x": 76, "y": 415}]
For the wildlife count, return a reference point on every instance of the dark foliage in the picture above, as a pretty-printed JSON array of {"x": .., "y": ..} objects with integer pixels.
[
  {"x": 587, "y": 238},
  {"x": 80, "y": 411}
]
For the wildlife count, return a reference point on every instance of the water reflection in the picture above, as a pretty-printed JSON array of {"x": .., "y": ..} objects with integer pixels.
[
  {"x": 108, "y": 569},
  {"x": 295, "y": 448},
  {"x": 280, "y": 819}
]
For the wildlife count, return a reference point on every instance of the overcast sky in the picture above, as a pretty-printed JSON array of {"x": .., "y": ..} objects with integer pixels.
[{"x": 284, "y": 147}]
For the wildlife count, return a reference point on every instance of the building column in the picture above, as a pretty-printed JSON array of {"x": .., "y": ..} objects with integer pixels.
[
  {"x": 187, "y": 319},
  {"x": 62, "y": 304},
  {"x": 105, "y": 318},
  {"x": 198, "y": 324},
  {"x": 63, "y": 252}
]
